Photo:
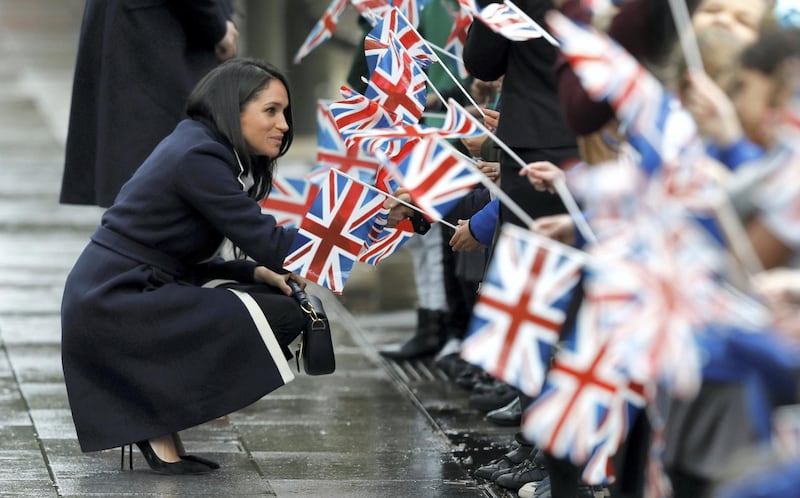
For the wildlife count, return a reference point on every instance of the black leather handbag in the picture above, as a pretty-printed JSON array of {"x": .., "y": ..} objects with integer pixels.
[{"x": 316, "y": 346}]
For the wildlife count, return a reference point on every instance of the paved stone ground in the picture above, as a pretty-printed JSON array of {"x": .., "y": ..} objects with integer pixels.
[{"x": 365, "y": 431}]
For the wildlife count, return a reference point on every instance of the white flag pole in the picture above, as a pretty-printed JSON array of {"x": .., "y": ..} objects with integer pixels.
[
  {"x": 683, "y": 24},
  {"x": 566, "y": 196}
]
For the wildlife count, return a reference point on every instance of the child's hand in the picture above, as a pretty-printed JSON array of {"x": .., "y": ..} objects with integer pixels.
[
  {"x": 558, "y": 227},
  {"x": 543, "y": 175},
  {"x": 463, "y": 240}
]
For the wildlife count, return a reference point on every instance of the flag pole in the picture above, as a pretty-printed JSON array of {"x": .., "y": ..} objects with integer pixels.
[
  {"x": 442, "y": 64},
  {"x": 493, "y": 188},
  {"x": 741, "y": 246},
  {"x": 566, "y": 197},
  {"x": 390, "y": 196},
  {"x": 686, "y": 35}
]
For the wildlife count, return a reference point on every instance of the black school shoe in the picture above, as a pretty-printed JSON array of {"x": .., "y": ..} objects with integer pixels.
[
  {"x": 521, "y": 450},
  {"x": 527, "y": 471},
  {"x": 495, "y": 397},
  {"x": 507, "y": 416}
]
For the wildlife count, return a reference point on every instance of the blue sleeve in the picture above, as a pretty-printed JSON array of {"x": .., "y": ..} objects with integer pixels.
[
  {"x": 483, "y": 223},
  {"x": 740, "y": 152}
]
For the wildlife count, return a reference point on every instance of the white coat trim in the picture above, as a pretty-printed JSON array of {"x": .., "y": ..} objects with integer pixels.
[
  {"x": 261, "y": 323},
  {"x": 217, "y": 282},
  {"x": 245, "y": 181}
]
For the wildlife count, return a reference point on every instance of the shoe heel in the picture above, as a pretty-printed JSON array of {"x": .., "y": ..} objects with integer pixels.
[{"x": 122, "y": 457}]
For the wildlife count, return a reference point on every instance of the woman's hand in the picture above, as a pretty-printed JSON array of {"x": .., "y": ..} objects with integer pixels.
[{"x": 264, "y": 275}]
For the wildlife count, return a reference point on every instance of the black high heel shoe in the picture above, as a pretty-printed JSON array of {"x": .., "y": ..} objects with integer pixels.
[
  {"x": 205, "y": 461},
  {"x": 176, "y": 440},
  {"x": 188, "y": 467}
]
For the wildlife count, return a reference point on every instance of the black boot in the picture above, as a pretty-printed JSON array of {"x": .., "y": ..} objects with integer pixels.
[{"x": 426, "y": 341}]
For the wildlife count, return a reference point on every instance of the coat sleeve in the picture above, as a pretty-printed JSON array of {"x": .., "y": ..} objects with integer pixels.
[
  {"x": 203, "y": 20},
  {"x": 207, "y": 183},
  {"x": 485, "y": 52},
  {"x": 483, "y": 223}
]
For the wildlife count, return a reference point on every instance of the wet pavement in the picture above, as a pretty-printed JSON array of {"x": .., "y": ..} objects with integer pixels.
[{"x": 373, "y": 429}]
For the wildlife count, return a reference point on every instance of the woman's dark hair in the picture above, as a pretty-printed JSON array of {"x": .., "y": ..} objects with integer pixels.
[
  {"x": 775, "y": 47},
  {"x": 218, "y": 100}
]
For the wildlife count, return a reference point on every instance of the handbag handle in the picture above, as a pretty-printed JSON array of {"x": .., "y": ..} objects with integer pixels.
[{"x": 302, "y": 298}]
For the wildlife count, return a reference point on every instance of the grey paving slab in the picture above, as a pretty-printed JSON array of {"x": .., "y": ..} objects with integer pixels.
[
  {"x": 371, "y": 466},
  {"x": 46, "y": 300},
  {"x": 372, "y": 489},
  {"x": 36, "y": 329},
  {"x": 35, "y": 216},
  {"x": 44, "y": 395},
  {"x": 36, "y": 363}
]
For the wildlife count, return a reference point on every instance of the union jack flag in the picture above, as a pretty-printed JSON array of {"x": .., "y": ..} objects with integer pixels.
[
  {"x": 383, "y": 242},
  {"x": 585, "y": 407},
  {"x": 628, "y": 404},
  {"x": 436, "y": 176},
  {"x": 375, "y": 9},
  {"x": 652, "y": 118},
  {"x": 521, "y": 308},
  {"x": 504, "y": 20},
  {"x": 323, "y": 30},
  {"x": 457, "y": 38},
  {"x": 372, "y": 8},
  {"x": 334, "y": 153},
  {"x": 377, "y": 41},
  {"x": 456, "y": 125},
  {"x": 355, "y": 114},
  {"x": 289, "y": 200},
  {"x": 778, "y": 195},
  {"x": 385, "y": 179},
  {"x": 333, "y": 232},
  {"x": 398, "y": 84}
]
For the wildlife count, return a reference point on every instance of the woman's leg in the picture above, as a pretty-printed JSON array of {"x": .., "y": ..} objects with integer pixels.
[{"x": 283, "y": 312}]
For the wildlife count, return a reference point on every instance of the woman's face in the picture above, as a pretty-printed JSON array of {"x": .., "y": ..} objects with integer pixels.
[
  {"x": 263, "y": 120},
  {"x": 741, "y": 17}
]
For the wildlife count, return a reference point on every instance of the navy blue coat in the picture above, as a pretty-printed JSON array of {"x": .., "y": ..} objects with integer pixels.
[
  {"x": 137, "y": 62},
  {"x": 151, "y": 343}
]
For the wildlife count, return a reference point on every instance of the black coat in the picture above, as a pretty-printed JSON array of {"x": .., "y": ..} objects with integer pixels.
[
  {"x": 137, "y": 62},
  {"x": 151, "y": 343},
  {"x": 531, "y": 122}
]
